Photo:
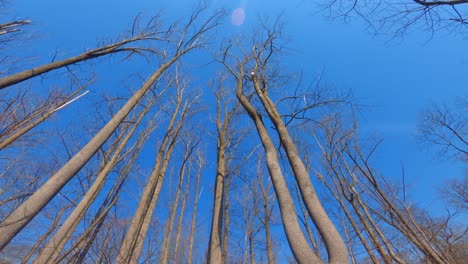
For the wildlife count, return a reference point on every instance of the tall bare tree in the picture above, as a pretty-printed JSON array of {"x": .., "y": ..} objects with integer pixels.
[
  {"x": 224, "y": 114},
  {"x": 166, "y": 250},
  {"x": 135, "y": 237},
  {"x": 446, "y": 128},
  {"x": 16, "y": 221},
  {"x": 296, "y": 239},
  {"x": 196, "y": 199}
]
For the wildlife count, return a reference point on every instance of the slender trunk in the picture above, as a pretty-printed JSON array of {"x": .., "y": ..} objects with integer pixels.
[
  {"x": 194, "y": 214},
  {"x": 134, "y": 239},
  {"x": 334, "y": 244},
  {"x": 215, "y": 251},
  {"x": 171, "y": 220},
  {"x": 296, "y": 239},
  {"x": 147, "y": 220},
  {"x": 17, "y": 220},
  {"x": 349, "y": 242},
  {"x": 83, "y": 245},
  {"x": 214, "y": 248},
  {"x": 305, "y": 221},
  {"x": 269, "y": 242},
  {"x": 355, "y": 226},
  {"x": 226, "y": 219},
  {"x": 51, "y": 229},
  {"x": 251, "y": 247},
  {"x": 178, "y": 234}
]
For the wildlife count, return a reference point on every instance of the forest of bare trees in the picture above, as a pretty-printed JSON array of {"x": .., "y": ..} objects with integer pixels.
[{"x": 253, "y": 166}]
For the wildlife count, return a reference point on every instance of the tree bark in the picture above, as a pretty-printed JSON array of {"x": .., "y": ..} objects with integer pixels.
[
  {"x": 296, "y": 239},
  {"x": 334, "y": 244},
  {"x": 133, "y": 243}
]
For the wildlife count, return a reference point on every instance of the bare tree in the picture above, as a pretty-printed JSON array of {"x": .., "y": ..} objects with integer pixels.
[
  {"x": 224, "y": 114},
  {"x": 153, "y": 31},
  {"x": 265, "y": 217},
  {"x": 16, "y": 221},
  {"x": 166, "y": 250},
  {"x": 456, "y": 193},
  {"x": 446, "y": 128},
  {"x": 390, "y": 223},
  {"x": 399, "y": 18},
  {"x": 196, "y": 198},
  {"x": 261, "y": 55},
  {"x": 16, "y": 126},
  {"x": 294, "y": 234},
  {"x": 135, "y": 237}
]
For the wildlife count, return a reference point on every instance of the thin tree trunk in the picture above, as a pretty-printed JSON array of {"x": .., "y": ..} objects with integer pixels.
[
  {"x": 51, "y": 229},
  {"x": 171, "y": 220},
  {"x": 194, "y": 214},
  {"x": 178, "y": 234},
  {"x": 215, "y": 252},
  {"x": 112, "y": 196},
  {"x": 296, "y": 239},
  {"x": 334, "y": 244},
  {"x": 307, "y": 226},
  {"x": 251, "y": 247},
  {"x": 226, "y": 222},
  {"x": 82, "y": 242},
  {"x": 133, "y": 243},
  {"x": 269, "y": 242}
]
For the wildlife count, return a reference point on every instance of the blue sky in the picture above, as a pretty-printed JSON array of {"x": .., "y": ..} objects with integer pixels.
[{"x": 394, "y": 79}]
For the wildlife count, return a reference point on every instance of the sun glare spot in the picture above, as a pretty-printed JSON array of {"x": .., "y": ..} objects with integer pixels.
[{"x": 238, "y": 16}]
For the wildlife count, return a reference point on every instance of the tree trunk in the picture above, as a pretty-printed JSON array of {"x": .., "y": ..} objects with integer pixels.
[
  {"x": 223, "y": 120},
  {"x": 194, "y": 214},
  {"x": 334, "y": 244},
  {"x": 171, "y": 220},
  {"x": 133, "y": 243},
  {"x": 178, "y": 234},
  {"x": 296, "y": 239}
]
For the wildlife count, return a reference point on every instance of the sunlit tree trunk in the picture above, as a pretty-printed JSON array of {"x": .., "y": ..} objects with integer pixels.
[
  {"x": 84, "y": 243},
  {"x": 334, "y": 244},
  {"x": 296, "y": 239},
  {"x": 226, "y": 217},
  {"x": 166, "y": 250},
  {"x": 41, "y": 239},
  {"x": 223, "y": 120},
  {"x": 178, "y": 254},
  {"x": 135, "y": 237},
  {"x": 196, "y": 198}
]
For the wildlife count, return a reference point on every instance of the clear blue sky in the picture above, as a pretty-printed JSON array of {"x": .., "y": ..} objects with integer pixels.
[{"x": 395, "y": 79}]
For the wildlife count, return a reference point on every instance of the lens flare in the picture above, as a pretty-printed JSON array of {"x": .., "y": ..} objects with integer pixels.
[{"x": 238, "y": 16}]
